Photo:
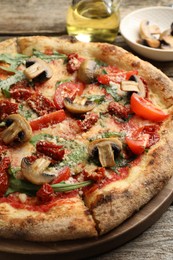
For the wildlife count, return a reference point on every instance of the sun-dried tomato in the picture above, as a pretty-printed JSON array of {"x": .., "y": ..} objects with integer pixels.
[
  {"x": 118, "y": 110},
  {"x": 45, "y": 193},
  {"x": 41, "y": 104},
  {"x": 21, "y": 94},
  {"x": 7, "y": 108},
  {"x": 56, "y": 152},
  {"x": 89, "y": 120},
  {"x": 96, "y": 175},
  {"x": 74, "y": 62},
  {"x": 4, "y": 164}
]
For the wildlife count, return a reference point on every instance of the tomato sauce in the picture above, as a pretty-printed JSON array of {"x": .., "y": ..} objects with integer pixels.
[{"x": 33, "y": 204}]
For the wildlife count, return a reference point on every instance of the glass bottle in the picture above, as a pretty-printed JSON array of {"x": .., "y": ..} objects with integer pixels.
[{"x": 94, "y": 20}]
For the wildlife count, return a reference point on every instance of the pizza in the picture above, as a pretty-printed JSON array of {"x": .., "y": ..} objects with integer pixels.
[{"x": 86, "y": 137}]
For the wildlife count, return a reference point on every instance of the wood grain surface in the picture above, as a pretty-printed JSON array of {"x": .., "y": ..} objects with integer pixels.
[{"x": 48, "y": 17}]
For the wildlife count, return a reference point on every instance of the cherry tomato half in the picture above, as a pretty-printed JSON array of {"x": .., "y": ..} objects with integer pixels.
[
  {"x": 49, "y": 119},
  {"x": 145, "y": 109},
  {"x": 67, "y": 89},
  {"x": 137, "y": 145},
  {"x": 115, "y": 76}
]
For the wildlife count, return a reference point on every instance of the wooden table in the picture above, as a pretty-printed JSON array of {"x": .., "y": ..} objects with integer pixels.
[{"x": 42, "y": 17}]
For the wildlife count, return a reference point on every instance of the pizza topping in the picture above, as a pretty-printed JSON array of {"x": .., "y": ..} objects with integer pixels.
[
  {"x": 4, "y": 165},
  {"x": 146, "y": 109},
  {"x": 115, "y": 108},
  {"x": 129, "y": 86},
  {"x": 56, "y": 152},
  {"x": 89, "y": 120},
  {"x": 74, "y": 62},
  {"x": 142, "y": 138},
  {"x": 37, "y": 69},
  {"x": 46, "y": 120},
  {"x": 88, "y": 71},
  {"x": 76, "y": 106},
  {"x": 106, "y": 150},
  {"x": 35, "y": 171},
  {"x": 142, "y": 91},
  {"x": 18, "y": 129},
  {"x": 7, "y": 108},
  {"x": 21, "y": 94},
  {"x": 40, "y": 104},
  {"x": 67, "y": 89},
  {"x": 45, "y": 193},
  {"x": 97, "y": 175}
]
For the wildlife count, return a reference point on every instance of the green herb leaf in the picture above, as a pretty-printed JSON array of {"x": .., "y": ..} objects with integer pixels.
[
  {"x": 7, "y": 83},
  {"x": 63, "y": 187},
  {"x": 17, "y": 185},
  {"x": 39, "y": 137},
  {"x": 13, "y": 60},
  {"x": 96, "y": 98},
  {"x": 55, "y": 56}
]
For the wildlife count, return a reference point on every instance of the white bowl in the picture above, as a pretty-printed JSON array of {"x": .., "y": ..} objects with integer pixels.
[{"x": 129, "y": 27}]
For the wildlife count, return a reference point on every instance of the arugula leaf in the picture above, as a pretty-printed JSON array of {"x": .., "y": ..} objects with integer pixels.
[
  {"x": 7, "y": 83},
  {"x": 55, "y": 56},
  {"x": 13, "y": 60},
  {"x": 17, "y": 185}
]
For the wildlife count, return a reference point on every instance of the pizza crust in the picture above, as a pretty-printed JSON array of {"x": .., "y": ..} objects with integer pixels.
[{"x": 67, "y": 221}]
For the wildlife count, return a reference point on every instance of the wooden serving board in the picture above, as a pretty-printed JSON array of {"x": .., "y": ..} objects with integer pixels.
[{"x": 80, "y": 249}]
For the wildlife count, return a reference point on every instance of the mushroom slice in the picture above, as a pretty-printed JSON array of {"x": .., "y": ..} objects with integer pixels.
[
  {"x": 106, "y": 150},
  {"x": 88, "y": 70},
  {"x": 146, "y": 35},
  {"x": 78, "y": 108},
  {"x": 129, "y": 85},
  {"x": 37, "y": 68},
  {"x": 167, "y": 42},
  {"x": 18, "y": 129},
  {"x": 134, "y": 84},
  {"x": 35, "y": 172}
]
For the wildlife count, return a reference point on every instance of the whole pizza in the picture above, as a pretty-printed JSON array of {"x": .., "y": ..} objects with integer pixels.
[{"x": 86, "y": 137}]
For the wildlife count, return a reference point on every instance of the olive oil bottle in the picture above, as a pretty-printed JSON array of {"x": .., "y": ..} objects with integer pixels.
[{"x": 94, "y": 20}]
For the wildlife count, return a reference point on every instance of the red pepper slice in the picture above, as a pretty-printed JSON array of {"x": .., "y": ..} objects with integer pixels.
[{"x": 49, "y": 119}]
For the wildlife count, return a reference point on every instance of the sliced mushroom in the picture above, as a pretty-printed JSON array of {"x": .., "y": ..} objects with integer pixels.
[
  {"x": 166, "y": 39},
  {"x": 146, "y": 35},
  {"x": 129, "y": 86},
  {"x": 78, "y": 108},
  {"x": 37, "y": 69},
  {"x": 18, "y": 129},
  {"x": 36, "y": 172},
  {"x": 88, "y": 71},
  {"x": 106, "y": 150},
  {"x": 134, "y": 84}
]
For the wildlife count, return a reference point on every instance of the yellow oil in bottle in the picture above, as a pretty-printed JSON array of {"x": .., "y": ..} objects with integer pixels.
[{"x": 90, "y": 20}]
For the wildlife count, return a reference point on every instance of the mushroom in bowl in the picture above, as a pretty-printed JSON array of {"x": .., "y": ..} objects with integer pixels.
[{"x": 130, "y": 30}]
